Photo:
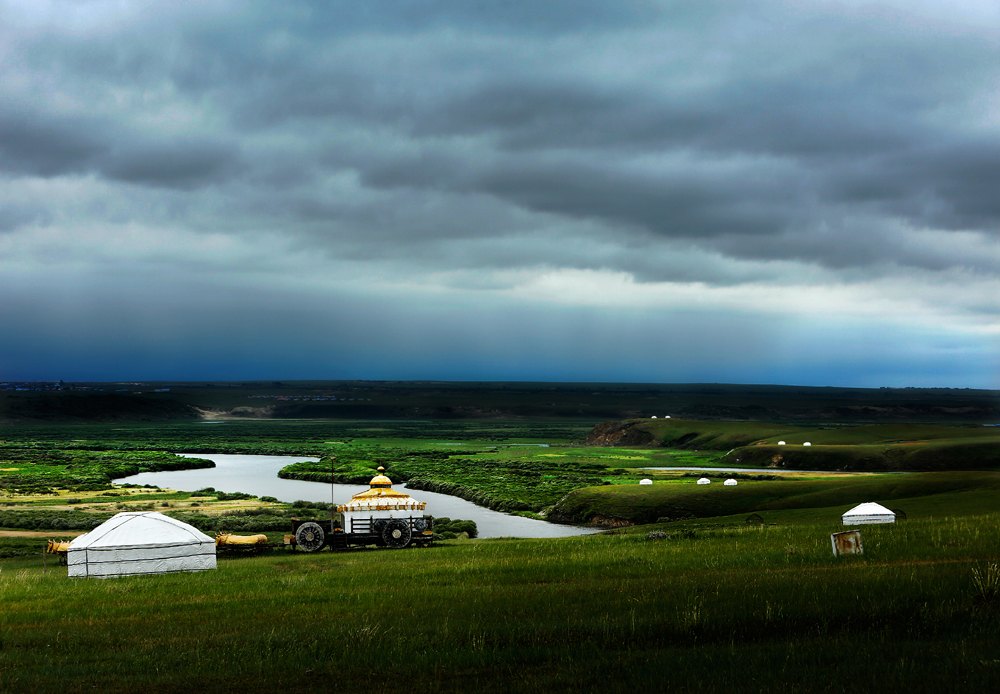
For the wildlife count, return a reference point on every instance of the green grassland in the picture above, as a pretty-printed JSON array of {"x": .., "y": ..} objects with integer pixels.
[
  {"x": 721, "y": 436},
  {"x": 682, "y": 498},
  {"x": 763, "y": 608},
  {"x": 515, "y": 466},
  {"x": 688, "y": 598}
]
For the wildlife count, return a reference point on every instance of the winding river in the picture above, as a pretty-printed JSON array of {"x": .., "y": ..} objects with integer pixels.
[{"x": 258, "y": 475}]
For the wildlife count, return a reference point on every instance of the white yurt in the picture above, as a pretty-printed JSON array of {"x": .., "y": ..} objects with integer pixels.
[
  {"x": 645, "y": 481},
  {"x": 144, "y": 542},
  {"x": 807, "y": 444},
  {"x": 729, "y": 483},
  {"x": 781, "y": 443},
  {"x": 868, "y": 514},
  {"x": 704, "y": 480}
]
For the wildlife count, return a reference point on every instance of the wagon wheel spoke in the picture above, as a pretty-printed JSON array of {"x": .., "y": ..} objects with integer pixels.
[
  {"x": 310, "y": 537},
  {"x": 396, "y": 534}
]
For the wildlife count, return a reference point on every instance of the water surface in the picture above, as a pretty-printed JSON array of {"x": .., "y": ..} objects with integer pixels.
[{"x": 258, "y": 475}]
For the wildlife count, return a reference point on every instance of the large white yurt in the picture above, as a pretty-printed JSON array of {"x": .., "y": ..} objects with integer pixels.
[
  {"x": 868, "y": 514},
  {"x": 144, "y": 542}
]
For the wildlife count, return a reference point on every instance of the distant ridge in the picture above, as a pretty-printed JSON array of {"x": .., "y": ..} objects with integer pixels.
[{"x": 594, "y": 402}]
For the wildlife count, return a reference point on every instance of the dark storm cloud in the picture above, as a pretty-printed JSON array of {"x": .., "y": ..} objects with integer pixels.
[
  {"x": 181, "y": 163},
  {"x": 41, "y": 144},
  {"x": 472, "y": 99},
  {"x": 473, "y": 147}
]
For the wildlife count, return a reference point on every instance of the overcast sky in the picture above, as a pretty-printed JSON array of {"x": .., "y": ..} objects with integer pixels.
[{"x": 734, "y": 191}]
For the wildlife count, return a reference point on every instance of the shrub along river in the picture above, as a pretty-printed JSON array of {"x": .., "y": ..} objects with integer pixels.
[{"x": 258, "y": 475}]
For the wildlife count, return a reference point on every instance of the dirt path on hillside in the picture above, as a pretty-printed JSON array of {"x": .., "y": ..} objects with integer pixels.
[{"x": 40, "y": 533}]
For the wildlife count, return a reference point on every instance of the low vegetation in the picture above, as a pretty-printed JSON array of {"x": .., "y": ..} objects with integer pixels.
[
  {"x": 689, "y": 598},
  {"x": 763, "y": 608},
  {"x": 670, "y": 499}
]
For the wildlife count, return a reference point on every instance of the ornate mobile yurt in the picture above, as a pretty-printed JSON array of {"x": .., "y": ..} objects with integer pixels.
[{"x": 395, "y": 516}]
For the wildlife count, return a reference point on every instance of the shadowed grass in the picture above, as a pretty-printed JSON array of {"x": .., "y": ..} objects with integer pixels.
[
  {"x": 743, "y": 609},
  {"x": 684, "y": 499}
]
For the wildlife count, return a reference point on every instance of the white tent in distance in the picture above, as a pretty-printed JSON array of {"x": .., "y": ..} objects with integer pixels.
[
  {"x": 868, "y": 514},
  {"x": 132, "y": 543}
]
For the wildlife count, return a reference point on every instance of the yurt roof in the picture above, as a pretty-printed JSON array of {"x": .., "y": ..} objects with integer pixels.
[
  {"x": 869, "y": 509},
  {"x": 140, "y": 529},
  {"x": 380, "y": 496}
]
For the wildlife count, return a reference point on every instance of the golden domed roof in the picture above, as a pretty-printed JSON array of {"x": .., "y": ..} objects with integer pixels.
[
  {"x": 381, "y": 496},
  {"x": 380, "y": 480}
]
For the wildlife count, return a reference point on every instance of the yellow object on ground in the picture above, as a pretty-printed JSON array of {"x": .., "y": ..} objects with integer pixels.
[
  {"x": 223, "y": 539},
  {"x": 54, "y": 547}
]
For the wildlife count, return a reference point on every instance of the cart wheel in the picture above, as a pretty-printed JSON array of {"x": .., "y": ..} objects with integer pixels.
[
  {"x": 396, "y": 534},
  {"x": 310, "y": 537}
]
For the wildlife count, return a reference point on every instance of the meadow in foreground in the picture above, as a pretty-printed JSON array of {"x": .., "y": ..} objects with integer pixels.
[{"x": 737, "y": 608}]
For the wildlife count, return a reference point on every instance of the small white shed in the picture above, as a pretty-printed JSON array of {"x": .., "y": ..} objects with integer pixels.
[
  {"x": 144, "y": 542},
  {"x": 729, "y": 483},
  {"x": 704, "y": 480},
  {"x": 647, "y": 481},
  {"x": 868, "y": 514}
]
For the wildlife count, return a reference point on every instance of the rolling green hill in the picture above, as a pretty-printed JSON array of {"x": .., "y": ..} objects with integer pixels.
[{"x": 675, "y": 500}]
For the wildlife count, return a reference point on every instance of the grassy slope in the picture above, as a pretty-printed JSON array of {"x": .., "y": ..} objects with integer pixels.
[
  {"x": 718, "y": 436},
  {"x": 722, "y": 436},
  {"x": 675, "y": 500},
  {"x": 889, "y": 447},
  {"x": 750, "y": 609}
]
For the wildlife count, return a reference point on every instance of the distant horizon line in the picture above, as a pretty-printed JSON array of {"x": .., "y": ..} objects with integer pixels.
[{"x": 284, "y": 382}]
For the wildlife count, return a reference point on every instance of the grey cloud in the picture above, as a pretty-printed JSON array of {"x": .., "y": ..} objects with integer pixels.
[
  {"x": 722, "y": 125},
  {"x": 176, "y": 163},
  {"x": 38, "y": 144}
]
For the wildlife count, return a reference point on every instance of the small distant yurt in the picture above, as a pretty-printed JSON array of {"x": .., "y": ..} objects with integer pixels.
[
  {"x": 729, "y": 483},
  {"x": 781, "y": 443},
  {"x": 645, "y": 481},
  {"x": 653, "y": 417},
  {"x": 807, "y": 444},
  {"x": 704, "y": 480},
  {"x": 868, "y": 514},
  {"x": 133, "y": 543}
]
